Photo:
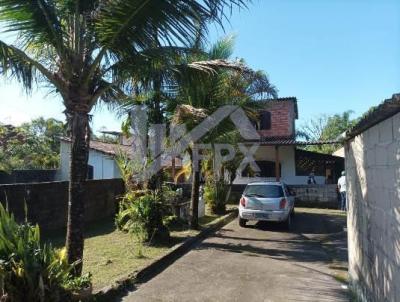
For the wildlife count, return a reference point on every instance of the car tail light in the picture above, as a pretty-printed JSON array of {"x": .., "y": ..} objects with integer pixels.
[
  {"x": 283, "y": 203},
  {"x": 243, "y": 202}
]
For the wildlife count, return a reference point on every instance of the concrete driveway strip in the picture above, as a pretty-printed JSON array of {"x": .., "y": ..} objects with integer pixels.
[{"x": 257, "y": 263}]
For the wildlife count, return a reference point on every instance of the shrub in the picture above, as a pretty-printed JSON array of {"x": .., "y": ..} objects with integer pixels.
[
  {"x": 142, "y": 217},
  {"x": 30, "y": 271},
  {"x": 174, "y": 222},
  {"x": 215, "y": 195}
]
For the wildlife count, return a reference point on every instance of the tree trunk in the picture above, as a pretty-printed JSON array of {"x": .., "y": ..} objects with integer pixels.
[
  {"x": 194, "y": 202},
  {"x": 80, "y": 137}
]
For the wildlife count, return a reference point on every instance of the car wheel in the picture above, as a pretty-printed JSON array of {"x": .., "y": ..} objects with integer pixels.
[
  {"x": 293, "y": 213},
  {"x": 242, "y": 222},
  {"x": 288, "y": 223}
]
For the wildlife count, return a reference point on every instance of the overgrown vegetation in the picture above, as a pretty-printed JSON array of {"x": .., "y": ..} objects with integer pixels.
[{"x": 29, "y": 270}]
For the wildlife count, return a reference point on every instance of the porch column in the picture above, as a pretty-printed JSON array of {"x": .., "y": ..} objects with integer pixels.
[
  {"x": 173, "y": 168},
  {"x": 277, "y": 161}
]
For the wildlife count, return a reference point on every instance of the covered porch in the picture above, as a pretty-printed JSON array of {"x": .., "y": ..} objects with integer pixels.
[{"x": 283, "y": 160}]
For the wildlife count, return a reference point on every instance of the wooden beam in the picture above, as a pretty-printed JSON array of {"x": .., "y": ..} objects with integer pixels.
[{"x": 277, "y": 162}]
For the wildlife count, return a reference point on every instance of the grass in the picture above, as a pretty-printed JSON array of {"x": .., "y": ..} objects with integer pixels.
[{"x": 110, "y": 254}]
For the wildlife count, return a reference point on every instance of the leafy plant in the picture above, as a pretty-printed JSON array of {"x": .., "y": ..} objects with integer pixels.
[
  {"x": 30, "y": 271},
  {"x": 142, "y": 217},
  {"x": 78, "y": 283},
  {"x": 215, "y": 195}
]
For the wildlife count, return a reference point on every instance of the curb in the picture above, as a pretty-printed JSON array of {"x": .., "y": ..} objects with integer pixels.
[{"x": 159, "y": 264}]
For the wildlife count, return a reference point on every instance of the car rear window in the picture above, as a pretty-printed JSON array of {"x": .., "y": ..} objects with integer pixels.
[{"x": 267, "y": 191}]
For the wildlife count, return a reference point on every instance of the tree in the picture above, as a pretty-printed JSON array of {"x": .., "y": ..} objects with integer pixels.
[
  {"x": 325, "y": 128},
  {"x": 200, "y": 94},
  {"x": 78, "y": 48},
  {"x": 33, "y": 145}
]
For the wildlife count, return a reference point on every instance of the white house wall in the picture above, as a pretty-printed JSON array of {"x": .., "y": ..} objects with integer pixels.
[
  {"x": 104, "y": 166},
  {"x": 267, "y": 153}
]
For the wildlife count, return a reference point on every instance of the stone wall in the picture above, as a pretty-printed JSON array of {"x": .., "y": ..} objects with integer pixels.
[
  {"x": 47, "y": 202},
  {"x": 323, "y": 196},
  {"x": 373, "y": 186}
]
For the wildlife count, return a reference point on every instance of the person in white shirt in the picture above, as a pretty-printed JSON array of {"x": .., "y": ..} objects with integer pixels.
[{"x": 342, "y": 191}]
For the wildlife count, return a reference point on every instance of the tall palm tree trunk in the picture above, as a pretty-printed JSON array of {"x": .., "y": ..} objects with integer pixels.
[{"x": 80, "y": 138}]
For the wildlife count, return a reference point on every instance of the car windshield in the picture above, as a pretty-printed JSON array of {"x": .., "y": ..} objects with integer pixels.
[{"x": 267, "y": 191}]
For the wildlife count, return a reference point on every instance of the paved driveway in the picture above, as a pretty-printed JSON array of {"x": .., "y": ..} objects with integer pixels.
[{"x": 257, "y": 263}]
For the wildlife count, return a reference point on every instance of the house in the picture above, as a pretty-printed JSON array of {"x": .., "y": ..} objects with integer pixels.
[
  {"x": 278, "y": 155},
  {"x": 102, "y": 158},
  {"x": 373, "y": 192}
]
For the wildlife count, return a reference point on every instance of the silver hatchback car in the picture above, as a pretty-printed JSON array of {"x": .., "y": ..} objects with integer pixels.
[{"x": 266, "y": 201}]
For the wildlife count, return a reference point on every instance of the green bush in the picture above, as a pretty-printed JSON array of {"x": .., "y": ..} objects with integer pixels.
[
  {"x": 175, "y": 223},
  {"x": 30, "y": 271},
  {"x": 142, "y": 216},
  {"x": 215, "y": 195}
]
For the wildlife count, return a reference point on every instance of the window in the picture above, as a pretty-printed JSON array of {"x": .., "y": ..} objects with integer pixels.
[
  {"x": 267, "y": 169},
  {"x": 268, "y": 191},
  {"x": 265, "y": 123}
]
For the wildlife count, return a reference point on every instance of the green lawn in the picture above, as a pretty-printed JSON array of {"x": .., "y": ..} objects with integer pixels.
[
  {"x": 110, "y": 254},
  {"x": 113, "y": 255}
]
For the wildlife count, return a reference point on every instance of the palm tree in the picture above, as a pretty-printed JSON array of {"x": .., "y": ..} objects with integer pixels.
[
  {"x": 77, "y": 48},
  {"x": 230, "y": 83}
]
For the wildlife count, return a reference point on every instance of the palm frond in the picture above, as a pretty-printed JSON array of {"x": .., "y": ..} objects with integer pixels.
[
  {"x": 223, "y": 48},
  {"x": 260, "y": 86},
  {"x": 15, "y": 66},
  {"x": 35, "y": 21},
  {"x": 139, "y": 22},
  {"x": 18, "y": 64}
]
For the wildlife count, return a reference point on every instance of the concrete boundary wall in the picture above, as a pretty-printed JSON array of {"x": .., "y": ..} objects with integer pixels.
[
  {"x": 47, "y": 202},
  {"x": 373, "y": 186}
]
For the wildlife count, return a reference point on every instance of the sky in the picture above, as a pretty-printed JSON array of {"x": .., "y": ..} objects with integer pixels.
[{"x": 333, "y": 55}]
